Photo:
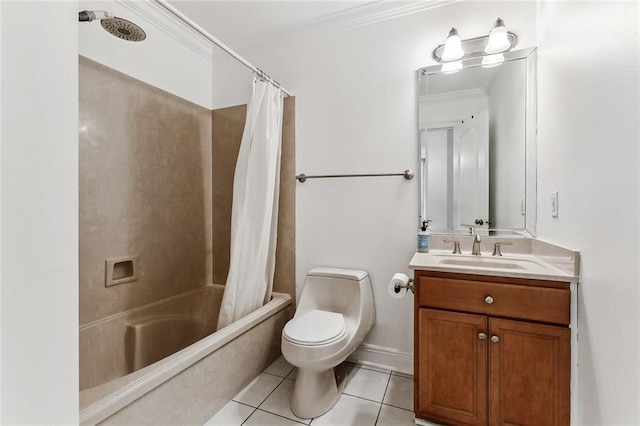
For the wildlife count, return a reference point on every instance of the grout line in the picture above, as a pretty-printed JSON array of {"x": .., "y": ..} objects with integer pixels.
[
  {"x": 281, "y": 416},
  {"x": 270, "y": 393},
  {"x": 378, "y": 416},
  {"x": 399, "y": 408},
  {"x": 362, "y": 397},
  {"x": 252, "y": 413},
  {"x": 383, "y": 395},
  {"x": 244, "y": 403},
  {"x": 265, "y": 398},
  {"x": 385, "y": 390},
  {"x": 277, "y": 375},
  {"x": 275, "y": 414}
]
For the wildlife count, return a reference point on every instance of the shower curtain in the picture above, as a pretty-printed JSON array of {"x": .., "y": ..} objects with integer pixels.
[{"x": 254, "y": 215}]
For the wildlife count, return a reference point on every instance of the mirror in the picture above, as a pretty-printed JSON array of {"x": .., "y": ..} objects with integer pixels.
[{"x": 477, "y": 146}]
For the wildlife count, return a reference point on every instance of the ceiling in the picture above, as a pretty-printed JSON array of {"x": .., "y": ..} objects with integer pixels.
[{"x": 250, "y": 25}]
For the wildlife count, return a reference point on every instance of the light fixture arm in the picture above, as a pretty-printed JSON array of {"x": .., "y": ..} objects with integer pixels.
[{"x": 474, "y": 47}]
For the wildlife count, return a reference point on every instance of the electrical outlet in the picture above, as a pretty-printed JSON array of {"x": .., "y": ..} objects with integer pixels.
[{"x": 554, "y": 204}]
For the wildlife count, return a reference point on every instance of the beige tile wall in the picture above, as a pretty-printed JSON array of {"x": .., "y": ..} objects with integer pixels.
[
  {"x": 145, "y": 190},
  {"x": 155, "y": 172}
]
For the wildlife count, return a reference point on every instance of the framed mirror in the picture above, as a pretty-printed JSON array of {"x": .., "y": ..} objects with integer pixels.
[{"x": 477, "y": 150}]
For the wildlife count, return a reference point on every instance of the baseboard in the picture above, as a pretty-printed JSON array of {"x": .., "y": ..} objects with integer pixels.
[{"x": 383, "y": 357}]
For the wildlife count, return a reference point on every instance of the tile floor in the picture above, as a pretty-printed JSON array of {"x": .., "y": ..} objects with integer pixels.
[{"x": 371, "y": 397}]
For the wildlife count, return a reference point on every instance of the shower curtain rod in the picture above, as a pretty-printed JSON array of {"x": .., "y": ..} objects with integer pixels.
[{"x": 261, "y": 74}]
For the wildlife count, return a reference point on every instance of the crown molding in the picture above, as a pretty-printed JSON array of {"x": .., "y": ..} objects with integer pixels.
[
  {"x": 166, "y": 22},
  {"x": 354, "y": 17},
  {"x": 351, "y": 18}
]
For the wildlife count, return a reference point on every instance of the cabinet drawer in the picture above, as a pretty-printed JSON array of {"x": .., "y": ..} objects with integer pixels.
[{"x": 505, "y": 300}]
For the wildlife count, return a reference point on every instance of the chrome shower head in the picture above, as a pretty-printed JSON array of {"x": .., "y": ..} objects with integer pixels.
[{"x": 121, "y": 28}]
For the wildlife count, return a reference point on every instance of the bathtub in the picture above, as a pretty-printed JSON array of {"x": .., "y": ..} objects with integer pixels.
[{"x": 164, "y": 364}]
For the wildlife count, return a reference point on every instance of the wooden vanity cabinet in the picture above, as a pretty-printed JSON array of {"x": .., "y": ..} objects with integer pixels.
[{"x": 491, "y": 350}]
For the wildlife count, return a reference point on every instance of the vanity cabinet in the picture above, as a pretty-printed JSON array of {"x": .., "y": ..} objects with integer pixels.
[{"x": 491, "y": 350}]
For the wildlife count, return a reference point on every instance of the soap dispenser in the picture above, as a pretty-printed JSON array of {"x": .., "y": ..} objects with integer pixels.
[{"x": 424, "y": 237}]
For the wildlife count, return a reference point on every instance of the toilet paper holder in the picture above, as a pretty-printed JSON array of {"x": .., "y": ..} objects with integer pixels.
[{"x": 408, "y": 286}]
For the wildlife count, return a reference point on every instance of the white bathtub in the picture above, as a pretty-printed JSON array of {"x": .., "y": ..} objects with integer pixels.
[{"x": 123, "y": 383}]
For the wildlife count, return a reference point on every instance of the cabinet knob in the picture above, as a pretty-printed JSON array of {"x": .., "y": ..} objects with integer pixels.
[
  {"x": 495, "y": 339},
  {"x": 488, "y": 300},
  {"x": 482, "y": 336}
]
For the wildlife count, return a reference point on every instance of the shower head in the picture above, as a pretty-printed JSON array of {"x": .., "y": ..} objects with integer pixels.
[
  {"x": 123, "y": 29},
  {"x": 118, "y": 27}
]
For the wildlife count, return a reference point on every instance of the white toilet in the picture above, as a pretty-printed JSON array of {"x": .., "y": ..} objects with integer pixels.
[{"x": 334, "y": 315}]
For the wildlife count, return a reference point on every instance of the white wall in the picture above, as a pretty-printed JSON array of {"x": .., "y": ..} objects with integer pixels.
[
  {"x": 588, "y": 134},
  {"x": 356, "y": 112},
  {"x": 173, "y": 57},
  {"x": 39, "y": 204}
]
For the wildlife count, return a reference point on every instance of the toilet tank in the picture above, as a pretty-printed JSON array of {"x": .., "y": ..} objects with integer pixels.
[{"x": 346, "y": 291}]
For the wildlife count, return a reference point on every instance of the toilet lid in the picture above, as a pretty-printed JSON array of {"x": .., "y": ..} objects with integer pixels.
[{"x": 315, "y": 327}]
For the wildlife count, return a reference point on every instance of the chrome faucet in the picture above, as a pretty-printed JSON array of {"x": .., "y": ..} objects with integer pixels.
[
  {"x": 456, "y": 246},
  {"x": 496, "y": 247},
  {"x": 476, "y": 243}
]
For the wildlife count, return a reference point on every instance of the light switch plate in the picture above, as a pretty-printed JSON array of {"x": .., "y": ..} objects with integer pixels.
[{"x": 554, "y": 204}]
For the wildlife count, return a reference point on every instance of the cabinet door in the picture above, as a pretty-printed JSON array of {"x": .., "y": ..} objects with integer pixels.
[
  {"x": 530, "y": 372},
  {"x": 451, "y": 367}
]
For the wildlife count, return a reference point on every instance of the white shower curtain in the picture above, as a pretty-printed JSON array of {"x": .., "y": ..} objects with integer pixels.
[{"x": 254, "y": 217}]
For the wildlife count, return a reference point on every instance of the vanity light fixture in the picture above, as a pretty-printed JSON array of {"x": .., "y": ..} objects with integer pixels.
[
  {"x": 452, "y": 47},
  {"x": 499, "y": 40}
]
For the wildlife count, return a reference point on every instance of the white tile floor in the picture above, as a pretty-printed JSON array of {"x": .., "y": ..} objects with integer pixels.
[{"x": 371, "y": 397}]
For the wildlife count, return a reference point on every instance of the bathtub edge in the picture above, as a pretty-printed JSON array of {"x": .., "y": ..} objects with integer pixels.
[{"x": 99, "y": 409}]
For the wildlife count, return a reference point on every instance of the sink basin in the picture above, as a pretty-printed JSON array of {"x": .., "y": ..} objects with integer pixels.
[
  {"x": 514, "y": 264},
  {"x": 482, "y": 263}
]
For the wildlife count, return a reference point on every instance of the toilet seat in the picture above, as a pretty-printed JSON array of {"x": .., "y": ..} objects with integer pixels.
[{"x": 315, "y": 327}]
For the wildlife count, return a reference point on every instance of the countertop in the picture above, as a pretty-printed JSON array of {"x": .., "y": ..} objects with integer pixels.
[{"x": 527, "y": 258}]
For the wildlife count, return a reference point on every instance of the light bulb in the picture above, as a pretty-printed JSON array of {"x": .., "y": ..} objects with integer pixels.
[
  {"x": 451, "y": 67},
  {"x": 452, "y": 47},
  {"x": 492, "y": 60},
  {"x": 498, "y": 40}
]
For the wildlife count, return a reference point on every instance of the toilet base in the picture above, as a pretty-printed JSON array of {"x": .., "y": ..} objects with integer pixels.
[{"x": 316, "y": 392}]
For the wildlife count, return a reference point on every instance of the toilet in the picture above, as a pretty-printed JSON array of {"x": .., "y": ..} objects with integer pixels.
[{"x": 334, "y": 315}]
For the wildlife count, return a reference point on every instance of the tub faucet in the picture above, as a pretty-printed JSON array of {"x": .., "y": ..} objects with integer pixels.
[{"x": 476, "y": 243}]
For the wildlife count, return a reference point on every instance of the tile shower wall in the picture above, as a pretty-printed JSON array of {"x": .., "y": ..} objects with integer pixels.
[
  {"x": 228, "y": 125},
  {"x": 145, "y": 190}
]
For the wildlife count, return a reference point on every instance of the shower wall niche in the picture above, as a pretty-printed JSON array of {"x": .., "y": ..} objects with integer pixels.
[{"x": 145, "y": 191}]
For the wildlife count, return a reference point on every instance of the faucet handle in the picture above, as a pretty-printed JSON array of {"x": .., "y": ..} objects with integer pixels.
[
  {"x": 496, "y": 247},
  {"x": 456, "y": 246}
]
